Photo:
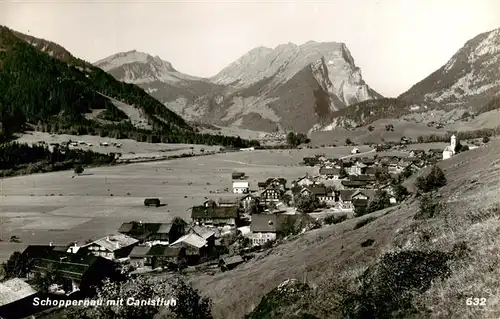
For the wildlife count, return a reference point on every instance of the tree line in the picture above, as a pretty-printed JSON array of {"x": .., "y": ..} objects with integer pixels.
[{"x": 18, "y": 158}]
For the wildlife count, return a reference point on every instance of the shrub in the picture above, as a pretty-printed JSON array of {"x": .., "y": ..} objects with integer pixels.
[
  {"x": 433, "y": 181},
  {"x": 429, "y": 207},
  {"x": 486, "y": 139},
  {"x": 332, "y": 219},
  {"x": 348, "y": 141},
  {"x": 386, "y": 289},
  {"x": 364, "y": 222}
]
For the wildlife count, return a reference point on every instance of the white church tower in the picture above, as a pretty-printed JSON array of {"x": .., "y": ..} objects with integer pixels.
[
  {"x": 453, "y": 143},
  {"x": 449, "y": 151}
]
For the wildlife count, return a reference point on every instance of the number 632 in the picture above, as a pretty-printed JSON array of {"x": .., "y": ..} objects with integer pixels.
[{"x": 475, "y": 301}]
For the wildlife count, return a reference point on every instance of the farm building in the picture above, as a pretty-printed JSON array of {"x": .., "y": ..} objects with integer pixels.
[
  {"x": 192, "y": 247},
  {"x": 145, "y": 232},
  {"x": 268, "y": 227},
  {"x": 249, "y": 199},
  {"x": 110, "y": 247},
  {"x": 215, "y": 216},
  {"x": 78, "y": 272},
  {"x": 330, "y": 172},
  {"x": 238, "y": 175},
  {"x": 240, "y": 187},
  {"x": 153, "y": 256},
  {"x": 303, "y": 181},
  {"x": 270, "y": 195}
]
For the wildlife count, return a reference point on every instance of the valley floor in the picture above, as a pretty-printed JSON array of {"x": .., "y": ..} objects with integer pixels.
[{"x": 55, "y": 207}]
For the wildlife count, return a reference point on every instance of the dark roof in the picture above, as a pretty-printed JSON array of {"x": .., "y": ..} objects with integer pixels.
[
  {"x": 279, "y": 180},
  {"x": 371, "y": 170},
  {"x": 346, "y": 194},
  {"x": 237, "y": 175},
  {"x": 35, "y": 251},
  {"x": 360, "y": 202},
  {"x": 370, "y": 193},
  {"x": 363, "y": 178},
  {"x": 70, "y": 265},
  {"x": 164, "y": 251},
  {"x": 139, "y": 252},
  {"x": 214, "y": 212},
  {"x": 329, "y": 171},
  {"x": 233, "y": 201},
  {"x": 316, "y": 190},
  {"x": 143, "y": 230},
  {"x": 353, "y": 183},
  {"x": 269, "y": 222}
]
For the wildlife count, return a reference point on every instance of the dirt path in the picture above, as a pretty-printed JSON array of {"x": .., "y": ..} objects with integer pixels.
[
  {"x": 358, "y": 154},
  {"x": 249, "y": 164}
]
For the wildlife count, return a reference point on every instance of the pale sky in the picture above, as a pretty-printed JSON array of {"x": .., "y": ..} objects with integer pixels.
[{"x": 396, "y": 43}]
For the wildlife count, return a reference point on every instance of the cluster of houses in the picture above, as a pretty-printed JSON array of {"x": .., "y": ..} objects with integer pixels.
[{"x": 260, "y": 215}]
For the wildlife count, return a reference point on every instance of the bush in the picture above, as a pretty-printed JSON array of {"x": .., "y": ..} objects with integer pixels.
[
  {"x": 364, "y": 222},
  {"x": 277, "y": 301},
  {"x": 429, "y": 207},
  {"x": 387, "y": 288},
  {"x": 79, "y": 169},
  {"x": 486, "y": 139},
  {"x": 332, "y": 219},
  {"x": 433, "y": 181}
]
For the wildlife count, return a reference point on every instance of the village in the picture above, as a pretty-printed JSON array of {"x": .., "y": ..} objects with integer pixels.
[{"x": 227, "y": 230}]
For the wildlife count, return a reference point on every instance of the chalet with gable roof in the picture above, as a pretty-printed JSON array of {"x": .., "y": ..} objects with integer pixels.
[
  {"x": 274, "y": 182},
  {"x": 228, "y": 202},
  {"x": 192, "y": 247},
  {"x": 268, "y": 227},
  {"x": 330, "y": 172},
  {"x": 215, "y": 216},
  {"x": 78, "y": 271},
  {"x": 303, "y": 181},
  {"x": 271, "y": 195},
  {"x": 149, "y": 232},
  {"x": 345, "y": 198},
  {"x": 248, "y": 200},
  {"x": 153, "y": 256},
  {"x": 240, "y": 187},
  {"x": 317, "y": 191},
  {"x": 110, "y": 247},
  {"x": 206, "y": 233}
]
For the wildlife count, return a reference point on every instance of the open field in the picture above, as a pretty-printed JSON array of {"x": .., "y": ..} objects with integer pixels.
[
  {"x": 325, "y": 255},
  {"x": 130, "y": 149},
  {"x": 363, "y": 135},
  {"x": 55, "y": 207}
]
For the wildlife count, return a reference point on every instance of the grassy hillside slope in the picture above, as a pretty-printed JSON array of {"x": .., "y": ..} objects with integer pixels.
[{"x": 333, "y": 260}]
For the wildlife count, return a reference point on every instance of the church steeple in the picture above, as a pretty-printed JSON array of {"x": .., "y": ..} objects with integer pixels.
[{"x": 453, "y": 142}]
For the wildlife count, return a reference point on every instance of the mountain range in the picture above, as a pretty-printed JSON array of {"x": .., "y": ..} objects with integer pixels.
[
  {"x": 468, "y": 83},
  {"x": 313, "y": 86},
  {"x": 43, "y": 85},
  {"x": 291, "y": 87}
]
